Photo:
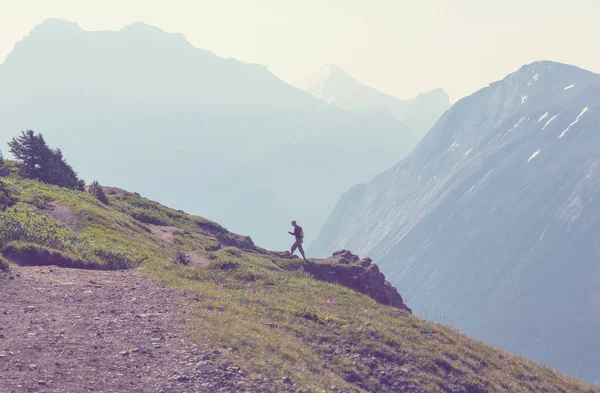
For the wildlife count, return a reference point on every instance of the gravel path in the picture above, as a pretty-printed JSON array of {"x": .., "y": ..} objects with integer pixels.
[{"x": 68, "y": 330}]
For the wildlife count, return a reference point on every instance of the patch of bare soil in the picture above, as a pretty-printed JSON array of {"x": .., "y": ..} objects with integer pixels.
[
  {"x": 63, "y": 214},
  {"x": 69, "y": 330},
  {"x": 165, "y": 233},
  {"x": 196, "y": 260}
]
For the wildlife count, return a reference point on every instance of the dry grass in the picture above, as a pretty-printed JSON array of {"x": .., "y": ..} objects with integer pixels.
[
  {"x": 265, "y": 313},
  {"x": 279, "y": 322}
]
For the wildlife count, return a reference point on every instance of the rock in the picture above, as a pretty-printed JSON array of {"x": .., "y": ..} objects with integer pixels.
[
  {"x": 286, "y": 380},
  {"x": 362, "y": 275}
]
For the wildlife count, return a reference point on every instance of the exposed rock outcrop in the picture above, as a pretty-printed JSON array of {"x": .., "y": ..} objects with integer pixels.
[
  {"x": 362, "y": 275},
  {"x": 228, "y": 239}
]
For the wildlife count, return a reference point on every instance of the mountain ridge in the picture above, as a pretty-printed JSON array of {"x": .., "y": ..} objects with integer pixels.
[
  {"x": 214, "y": 122},
  {"x": 334, "y": 86},
  {"x": 485, "y": 214}
]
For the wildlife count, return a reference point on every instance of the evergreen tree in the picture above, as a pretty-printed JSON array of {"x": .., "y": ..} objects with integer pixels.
[
  {"x": 56, "y": 171},
  {"x": 42, "y": 163},
  {"x": 32, "y": 150},
  {"x": 96, "y": 190}
]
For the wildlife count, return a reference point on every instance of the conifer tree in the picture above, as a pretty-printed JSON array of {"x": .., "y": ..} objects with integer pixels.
[
  {"x": 42, "y": 163},
  {"x": 32, "y": 150}
]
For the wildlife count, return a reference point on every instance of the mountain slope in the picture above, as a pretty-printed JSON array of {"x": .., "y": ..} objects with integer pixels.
[
  {"x": 260, "y": 318},
  {"x": 491, "y": 221},
  {"x": 145, "y": 108},
  {"x": 332, "y": 85}
]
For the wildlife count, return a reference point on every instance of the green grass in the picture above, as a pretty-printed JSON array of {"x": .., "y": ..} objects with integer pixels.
[
  {"x": 266, "y": 314},
  {"x": 280, "y": 322},
  {"x": 4, "y": 265}
]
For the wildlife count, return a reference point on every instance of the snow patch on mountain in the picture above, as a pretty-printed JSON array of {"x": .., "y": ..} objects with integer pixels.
[
  {"x": 521, "y": 121},
  {"x": 534, "y": 155},
  {"x": 574, "y": 122},
  {"x": 549, "y": 121}
]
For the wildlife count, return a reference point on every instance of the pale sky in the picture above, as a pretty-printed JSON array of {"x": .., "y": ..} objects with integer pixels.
[{"x": 401, "y": 47}]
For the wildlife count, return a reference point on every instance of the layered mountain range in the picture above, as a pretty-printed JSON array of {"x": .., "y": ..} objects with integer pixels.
[
  {"x": 492, "y": 221},
  {"x": 334, "y": 86},
  {"x": 146, "y": 108}
]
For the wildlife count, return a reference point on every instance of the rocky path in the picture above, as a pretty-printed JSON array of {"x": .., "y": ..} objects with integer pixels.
[{"x": 68, "y": 330}]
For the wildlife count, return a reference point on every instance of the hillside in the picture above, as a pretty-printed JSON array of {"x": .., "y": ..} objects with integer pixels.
[
  {"x": 491, "y": 221},
  {"x": 192, "y": 129},
  {"x": 261, "y": 320},
  {"x": 334, "y": 86}
]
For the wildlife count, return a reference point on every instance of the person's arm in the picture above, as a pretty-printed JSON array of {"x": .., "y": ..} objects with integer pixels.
[{"x": 290, "y": 233}]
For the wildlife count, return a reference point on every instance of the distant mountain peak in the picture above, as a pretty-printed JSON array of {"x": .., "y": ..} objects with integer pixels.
[
  {"x": 54, "y": 25},
  {"x": 327, "y": 75},
  {"x": 330, "y": 67},
  {"x": 330, "y": 70},
  {"x": 334, "y": 86},
  {"x": 143, "y": 27},
  {"x": 147, "y": 30}
]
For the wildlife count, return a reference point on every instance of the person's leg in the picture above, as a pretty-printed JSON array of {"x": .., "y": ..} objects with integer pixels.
[
  {"x": 301, "y": 251},
  {"x": 294, "y": 246}
]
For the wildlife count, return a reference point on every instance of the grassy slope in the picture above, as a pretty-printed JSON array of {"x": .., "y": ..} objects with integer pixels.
[{"x": 264, "y": 312}]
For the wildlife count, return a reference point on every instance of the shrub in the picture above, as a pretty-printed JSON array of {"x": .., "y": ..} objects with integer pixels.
[
  {"x": 36, "y": 255},
  {"x": 25, "y": 224},
  {"x": 6, "y": 197},
  {"x": 182, "y": 258},
  {"x": 4, "y": 266},
  {"x": 97, "y": 191},
  {"x": 150, "y": 217},
  {"x": 144, "y": 210},
  {"x": 475, "y": 385},
  {"x": 40, "y": 162}
]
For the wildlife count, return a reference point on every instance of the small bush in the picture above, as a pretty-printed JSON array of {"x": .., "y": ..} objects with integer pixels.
[
  {"x": 144, "y": 211},
  {"x": 25, "y": 224},
  {"x": 96, "y": 190},
  {"x": 150, "y": 217},
  {"x": 4, "y": 266},
  {"x": 475, "y": 385},
  {"x": 182, "y": 258},
  {"x": 36, "y": 255},
  {"x": 6, "y": 197}
]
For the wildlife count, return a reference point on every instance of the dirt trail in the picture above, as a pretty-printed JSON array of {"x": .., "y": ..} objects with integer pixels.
[{"x": 68, "y": 330}]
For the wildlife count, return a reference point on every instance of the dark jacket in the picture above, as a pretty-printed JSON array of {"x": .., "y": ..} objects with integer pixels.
[{"x": 296, "y": 233}]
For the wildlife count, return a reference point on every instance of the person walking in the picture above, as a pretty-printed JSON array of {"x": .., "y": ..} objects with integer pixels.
[{"x": 298, "y": 235}]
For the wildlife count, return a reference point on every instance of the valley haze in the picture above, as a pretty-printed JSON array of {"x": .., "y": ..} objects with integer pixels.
[
  {"x": 205, "y": 134},
  {"x": 480, "y": 211}
]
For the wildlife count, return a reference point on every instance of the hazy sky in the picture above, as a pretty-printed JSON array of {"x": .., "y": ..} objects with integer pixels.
[{"x": 401, "y": 47}]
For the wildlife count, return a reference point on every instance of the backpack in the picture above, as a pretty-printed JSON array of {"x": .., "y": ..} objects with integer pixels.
[{"x": 301, "y": 233}]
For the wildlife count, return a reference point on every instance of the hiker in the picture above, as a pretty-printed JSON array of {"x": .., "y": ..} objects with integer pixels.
[{"x": 298, "y": 234}]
